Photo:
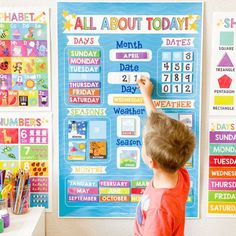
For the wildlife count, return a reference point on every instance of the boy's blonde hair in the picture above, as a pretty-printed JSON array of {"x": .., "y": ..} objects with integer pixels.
[{"x": 168, "y": 141}]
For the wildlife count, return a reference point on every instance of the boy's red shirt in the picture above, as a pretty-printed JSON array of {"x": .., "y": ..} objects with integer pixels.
[{"x": 161, "y": 212}]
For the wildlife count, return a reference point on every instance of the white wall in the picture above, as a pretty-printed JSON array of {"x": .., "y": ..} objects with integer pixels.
[{"x": 123, "y": 227}]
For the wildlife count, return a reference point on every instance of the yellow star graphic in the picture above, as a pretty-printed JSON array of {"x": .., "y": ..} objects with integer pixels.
[
  {"x": 74, "y": 16},
  {"x": 198, "y": 17},
  {"x": 65, "y": 13},
  {"x": 193, "y": 26},
  {"x": 212, "y": 127},
  {"x": 67, "y": 25},
  {"x": 190, "y": 17},
  {"x": 220, "y": 23}
]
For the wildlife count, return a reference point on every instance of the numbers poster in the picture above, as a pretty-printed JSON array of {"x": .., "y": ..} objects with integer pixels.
[
  {"x": 24, "y": 59},
  {"x": 222, "y": 151},
  {"x": 103, "y": 48},
  {"x": 25, "y": 142}
]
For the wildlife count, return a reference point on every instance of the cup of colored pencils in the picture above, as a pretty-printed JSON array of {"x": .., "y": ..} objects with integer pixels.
[{"x": 20, "y": 193}]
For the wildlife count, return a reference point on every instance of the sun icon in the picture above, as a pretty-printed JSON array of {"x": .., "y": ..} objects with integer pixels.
[
  {"x": 81, "y": 146},
  {"x": 30, "y": 83}
]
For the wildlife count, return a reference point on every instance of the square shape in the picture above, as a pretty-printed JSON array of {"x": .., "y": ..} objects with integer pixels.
[
  {"x": 165, "y": 88},
  {"x": 98, "y": 150},
  {"x": 176, "y": 77},
  {"x": 187, "y": 119},
  {"x": 187, "y": 88},
  {"x": 166, "y": 56},
  {"x": 77, "y": 129},
  {"x": 226, "y": 38},
  {"x": 165, "y": 77},
  {"x": 177, "y": 56},
  {"x": 128, "y": 158},
  {"x": 77, "y": 150},
  {"x": 166, "y": 66},
  {"x": 98, "y": 129},
  {"x": 188, "y": 66},
  {"x": 176, "y": 88},
  {"x": 188, "y": 78},
  {"x": 188, "y": 56},
  {"x": 177, "y": 66},
  {"x": 128, "y": 126}
]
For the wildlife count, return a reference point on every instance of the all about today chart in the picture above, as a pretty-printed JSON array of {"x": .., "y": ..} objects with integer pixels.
[{"x": 103, "y": 49}]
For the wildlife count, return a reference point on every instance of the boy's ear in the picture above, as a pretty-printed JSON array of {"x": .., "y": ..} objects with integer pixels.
[{"x": 152, "y": 164}]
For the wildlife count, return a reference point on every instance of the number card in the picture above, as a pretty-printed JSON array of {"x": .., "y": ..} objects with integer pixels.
[
  {"x": 179, "y": 66},
  {"x": 104, "y": 49}
]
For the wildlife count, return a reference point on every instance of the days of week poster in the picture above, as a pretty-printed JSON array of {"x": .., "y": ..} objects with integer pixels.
[
  {"x": 24, "y": 59},
  {"x": 25, "y": 142},
  {"x": 222, "y": 152},
  {"x": 103, "y": 48},
  {"x": 222, "y": 168}
]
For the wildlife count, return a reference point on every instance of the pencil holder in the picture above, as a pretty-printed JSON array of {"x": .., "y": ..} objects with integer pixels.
[
  {"x": 20, "y": 200},
  {"x": 4, "y": 212}
]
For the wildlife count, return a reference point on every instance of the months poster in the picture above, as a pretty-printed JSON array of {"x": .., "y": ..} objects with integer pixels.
[
  {"x": 103, "y": 48},
  {"x": 25, "y": 142},
  {"x": 24, "y": 59}
]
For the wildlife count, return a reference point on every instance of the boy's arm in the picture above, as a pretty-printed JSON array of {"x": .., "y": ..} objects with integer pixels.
[{"x": 146, "y": 88}]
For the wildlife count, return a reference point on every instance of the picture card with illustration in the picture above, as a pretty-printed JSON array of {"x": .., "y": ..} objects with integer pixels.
[
  {"x": 128, "y": 157},
  {"x": 77, "y": 129},
  {"x": 77, "y": 151},
  {"x": 98, "y": 150}
]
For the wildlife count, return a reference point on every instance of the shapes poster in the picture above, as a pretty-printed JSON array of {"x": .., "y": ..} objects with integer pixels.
[
  {"x": 24, "y": 59},
  {"x": 223, "y": 84},
  {"x": 222, "y": 152},
  {"x": 103, "y": 49},
  {"x": 25, "y": 142},
  {"x": 222, "y": 168}
]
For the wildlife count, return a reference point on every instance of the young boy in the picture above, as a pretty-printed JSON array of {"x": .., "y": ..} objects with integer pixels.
[{"x": 167, "y": 146}]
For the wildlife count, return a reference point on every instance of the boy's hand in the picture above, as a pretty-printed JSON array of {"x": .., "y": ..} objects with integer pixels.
[{"x": 145, "y": 86}]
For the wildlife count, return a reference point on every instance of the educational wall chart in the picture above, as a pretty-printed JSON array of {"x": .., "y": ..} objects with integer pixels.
[
  {"x": 222, "y": 167},
  {"x": 103, "y": 49},
  {"x": 24, "y": 59},
  {"x": 25, "y": 142},
  {"x": 222, "y": 152},
  {"x": 223, "y": 85}
]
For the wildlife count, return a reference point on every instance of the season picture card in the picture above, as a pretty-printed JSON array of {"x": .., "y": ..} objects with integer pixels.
[
  {"x": 24, "y": 59},
  {"x": 26, "y": 143}
]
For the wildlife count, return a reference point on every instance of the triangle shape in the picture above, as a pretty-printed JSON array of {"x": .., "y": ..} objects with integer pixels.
[{"x": 225, "y": 61}]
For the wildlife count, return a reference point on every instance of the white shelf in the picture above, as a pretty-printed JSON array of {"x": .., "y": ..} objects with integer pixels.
[{"x": 29, "y": 224}]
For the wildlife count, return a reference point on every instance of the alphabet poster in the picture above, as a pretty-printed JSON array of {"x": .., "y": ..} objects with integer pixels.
[
  {"x": 103, "y": 48},
  {"x": 24, "y": 59},
  {"x": 222, "y": 134},
  {"x": 25, "y": 143}
]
